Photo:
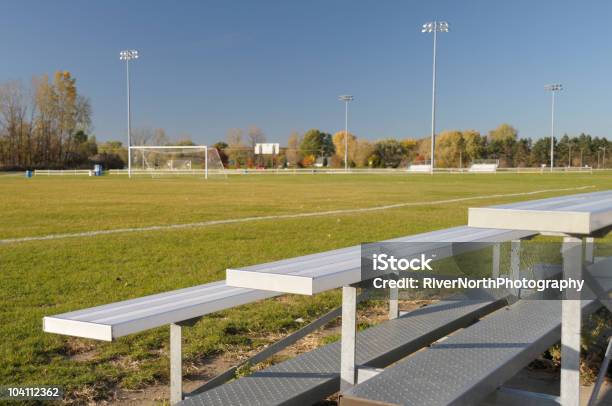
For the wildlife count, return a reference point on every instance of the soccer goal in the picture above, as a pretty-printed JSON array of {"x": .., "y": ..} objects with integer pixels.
[{"x": 168, "y": 160}]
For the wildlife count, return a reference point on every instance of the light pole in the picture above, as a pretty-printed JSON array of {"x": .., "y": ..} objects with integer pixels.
[
  {"x": 127, "y": 56},
  {"x": 554, "y": 88},
  {"x": 569, "y": 155},
  {"x": 346, "y": 99},
  {"x": 603, "y": 160},
  {"x": 435, "y": 27}
]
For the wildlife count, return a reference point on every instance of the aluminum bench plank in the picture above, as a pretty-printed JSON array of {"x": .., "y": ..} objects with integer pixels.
[
  {"x": 472, "y": 363},
  {"x": 319, "y": 272},
  {"x": 108, "y": 322},
  {"x": 312, "y": 376},
  {"x": 574, "y": 214}
]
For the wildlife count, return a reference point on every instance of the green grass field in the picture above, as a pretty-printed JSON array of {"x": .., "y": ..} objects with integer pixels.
[{"x": 41, "y": 278}]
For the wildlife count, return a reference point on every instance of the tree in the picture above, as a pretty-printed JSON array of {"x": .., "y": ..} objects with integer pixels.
[
  {"x": 339, "y": 140},
  {"x": 114, "y": 148},
  {"x": 221, "y": 146},
  {"x": 521, "y": 154},
  {"x": 150, "y": 136},
  {"x": 236, "y": 150},
  {"x": 501, "y": 144},
  {"x": 473, "y": 144},
  {"x": 293, "y": 154},
  {"x": 449, "y": 149},
  {"x": 503, "y": 132},
  {"x": 47, "y": 130},
  {"x": 364, "y": 152},
  {"x": 185, "y": 141},
  {"x": 255, "y": 136},
  {"x": 540, "y": 152},
  {"x": 388, "y": 153},
  {"x": 317, "y": 144}
]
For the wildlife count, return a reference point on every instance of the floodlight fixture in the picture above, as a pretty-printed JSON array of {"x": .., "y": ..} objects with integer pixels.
[
  {"x": 439, "y": 26},
  {"x": 128, "y": 55},
  {"x": 555, "y": 87}
]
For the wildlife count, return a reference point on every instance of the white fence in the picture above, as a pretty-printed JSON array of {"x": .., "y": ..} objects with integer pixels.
[
  {"x": 302, "y": 171},
  {"x": 419, "y": 168},
  {"x": 60, "y": 172},
  {"x": 483, "y": 167}
]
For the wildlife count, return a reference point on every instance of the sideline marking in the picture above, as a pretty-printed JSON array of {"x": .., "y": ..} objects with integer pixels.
[{"x": 275, "y": 217}]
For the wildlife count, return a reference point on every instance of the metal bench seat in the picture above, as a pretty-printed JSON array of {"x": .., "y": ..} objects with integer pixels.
[{"x": 108, "y": 322}]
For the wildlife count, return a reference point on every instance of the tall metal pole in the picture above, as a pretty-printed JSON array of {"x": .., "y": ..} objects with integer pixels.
[
  {"x": 553, "y": 89},
  {"x": 346, "y": 99},
  {"x": 552, "y": 133},
  {"x": 129, "y": 116},
  {"x": 126, "y": 56},
  {"x": 569, "y": 156},
  {"x": 346, "y": 103},
  {"x": 434, "y": 26},
  {"x": 433, "y": 98}
]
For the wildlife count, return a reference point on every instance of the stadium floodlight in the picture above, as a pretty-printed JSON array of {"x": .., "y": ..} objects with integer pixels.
[
  {"x": 434, "y": 27},
  {"x": 127, "y": 55},
  {"x": 346, "y": 99},
  {"x": 553, "y": 88}
]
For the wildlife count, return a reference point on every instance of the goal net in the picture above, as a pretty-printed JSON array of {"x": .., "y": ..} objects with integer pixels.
[{"x": 197, "y": 160}]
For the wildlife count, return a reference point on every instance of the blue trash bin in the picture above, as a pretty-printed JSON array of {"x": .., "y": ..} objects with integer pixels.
[
  {"x": 28, "y": 173},
  {"x": 97, "y": 170}
]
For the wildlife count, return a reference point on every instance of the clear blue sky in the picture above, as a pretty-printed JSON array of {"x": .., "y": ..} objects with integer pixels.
[{"x": 208, "y": 66}]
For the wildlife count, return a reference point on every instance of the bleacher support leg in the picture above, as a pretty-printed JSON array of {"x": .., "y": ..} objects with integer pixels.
[
  {"x": 349, "y": 334},
  {"x": 176, "y": 367},
  {"x": 515, "y": 263},
  {"x": 571, "y": 321},
  {"x": 589, "y": 248},
  {"x": 496, "y": 257},
  {"x": 602, "y": 373},
  {"x": 393, "y": 303}
]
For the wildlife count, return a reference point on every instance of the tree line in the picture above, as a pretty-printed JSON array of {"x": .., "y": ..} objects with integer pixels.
[
  {"x": 45, "y": 125},
  {"x": 453, "y": 148},
  {"x": 48, "y": 124}
]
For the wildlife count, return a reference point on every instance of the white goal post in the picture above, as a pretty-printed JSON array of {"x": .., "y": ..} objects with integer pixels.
[{"x": 160, "y": 160}]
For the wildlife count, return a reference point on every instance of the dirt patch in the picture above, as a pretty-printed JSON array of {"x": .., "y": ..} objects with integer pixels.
[{"x": 79, "y": 350}]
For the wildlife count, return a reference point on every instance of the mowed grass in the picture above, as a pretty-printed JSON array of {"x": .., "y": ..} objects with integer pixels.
[{"x": 41, "y": 278}]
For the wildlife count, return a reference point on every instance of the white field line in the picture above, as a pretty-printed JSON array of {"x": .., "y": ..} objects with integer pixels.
[{"x": 275, "y": 217}]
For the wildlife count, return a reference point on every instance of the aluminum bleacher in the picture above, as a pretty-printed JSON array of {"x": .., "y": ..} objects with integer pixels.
[{"x": 472, "y": 364}]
